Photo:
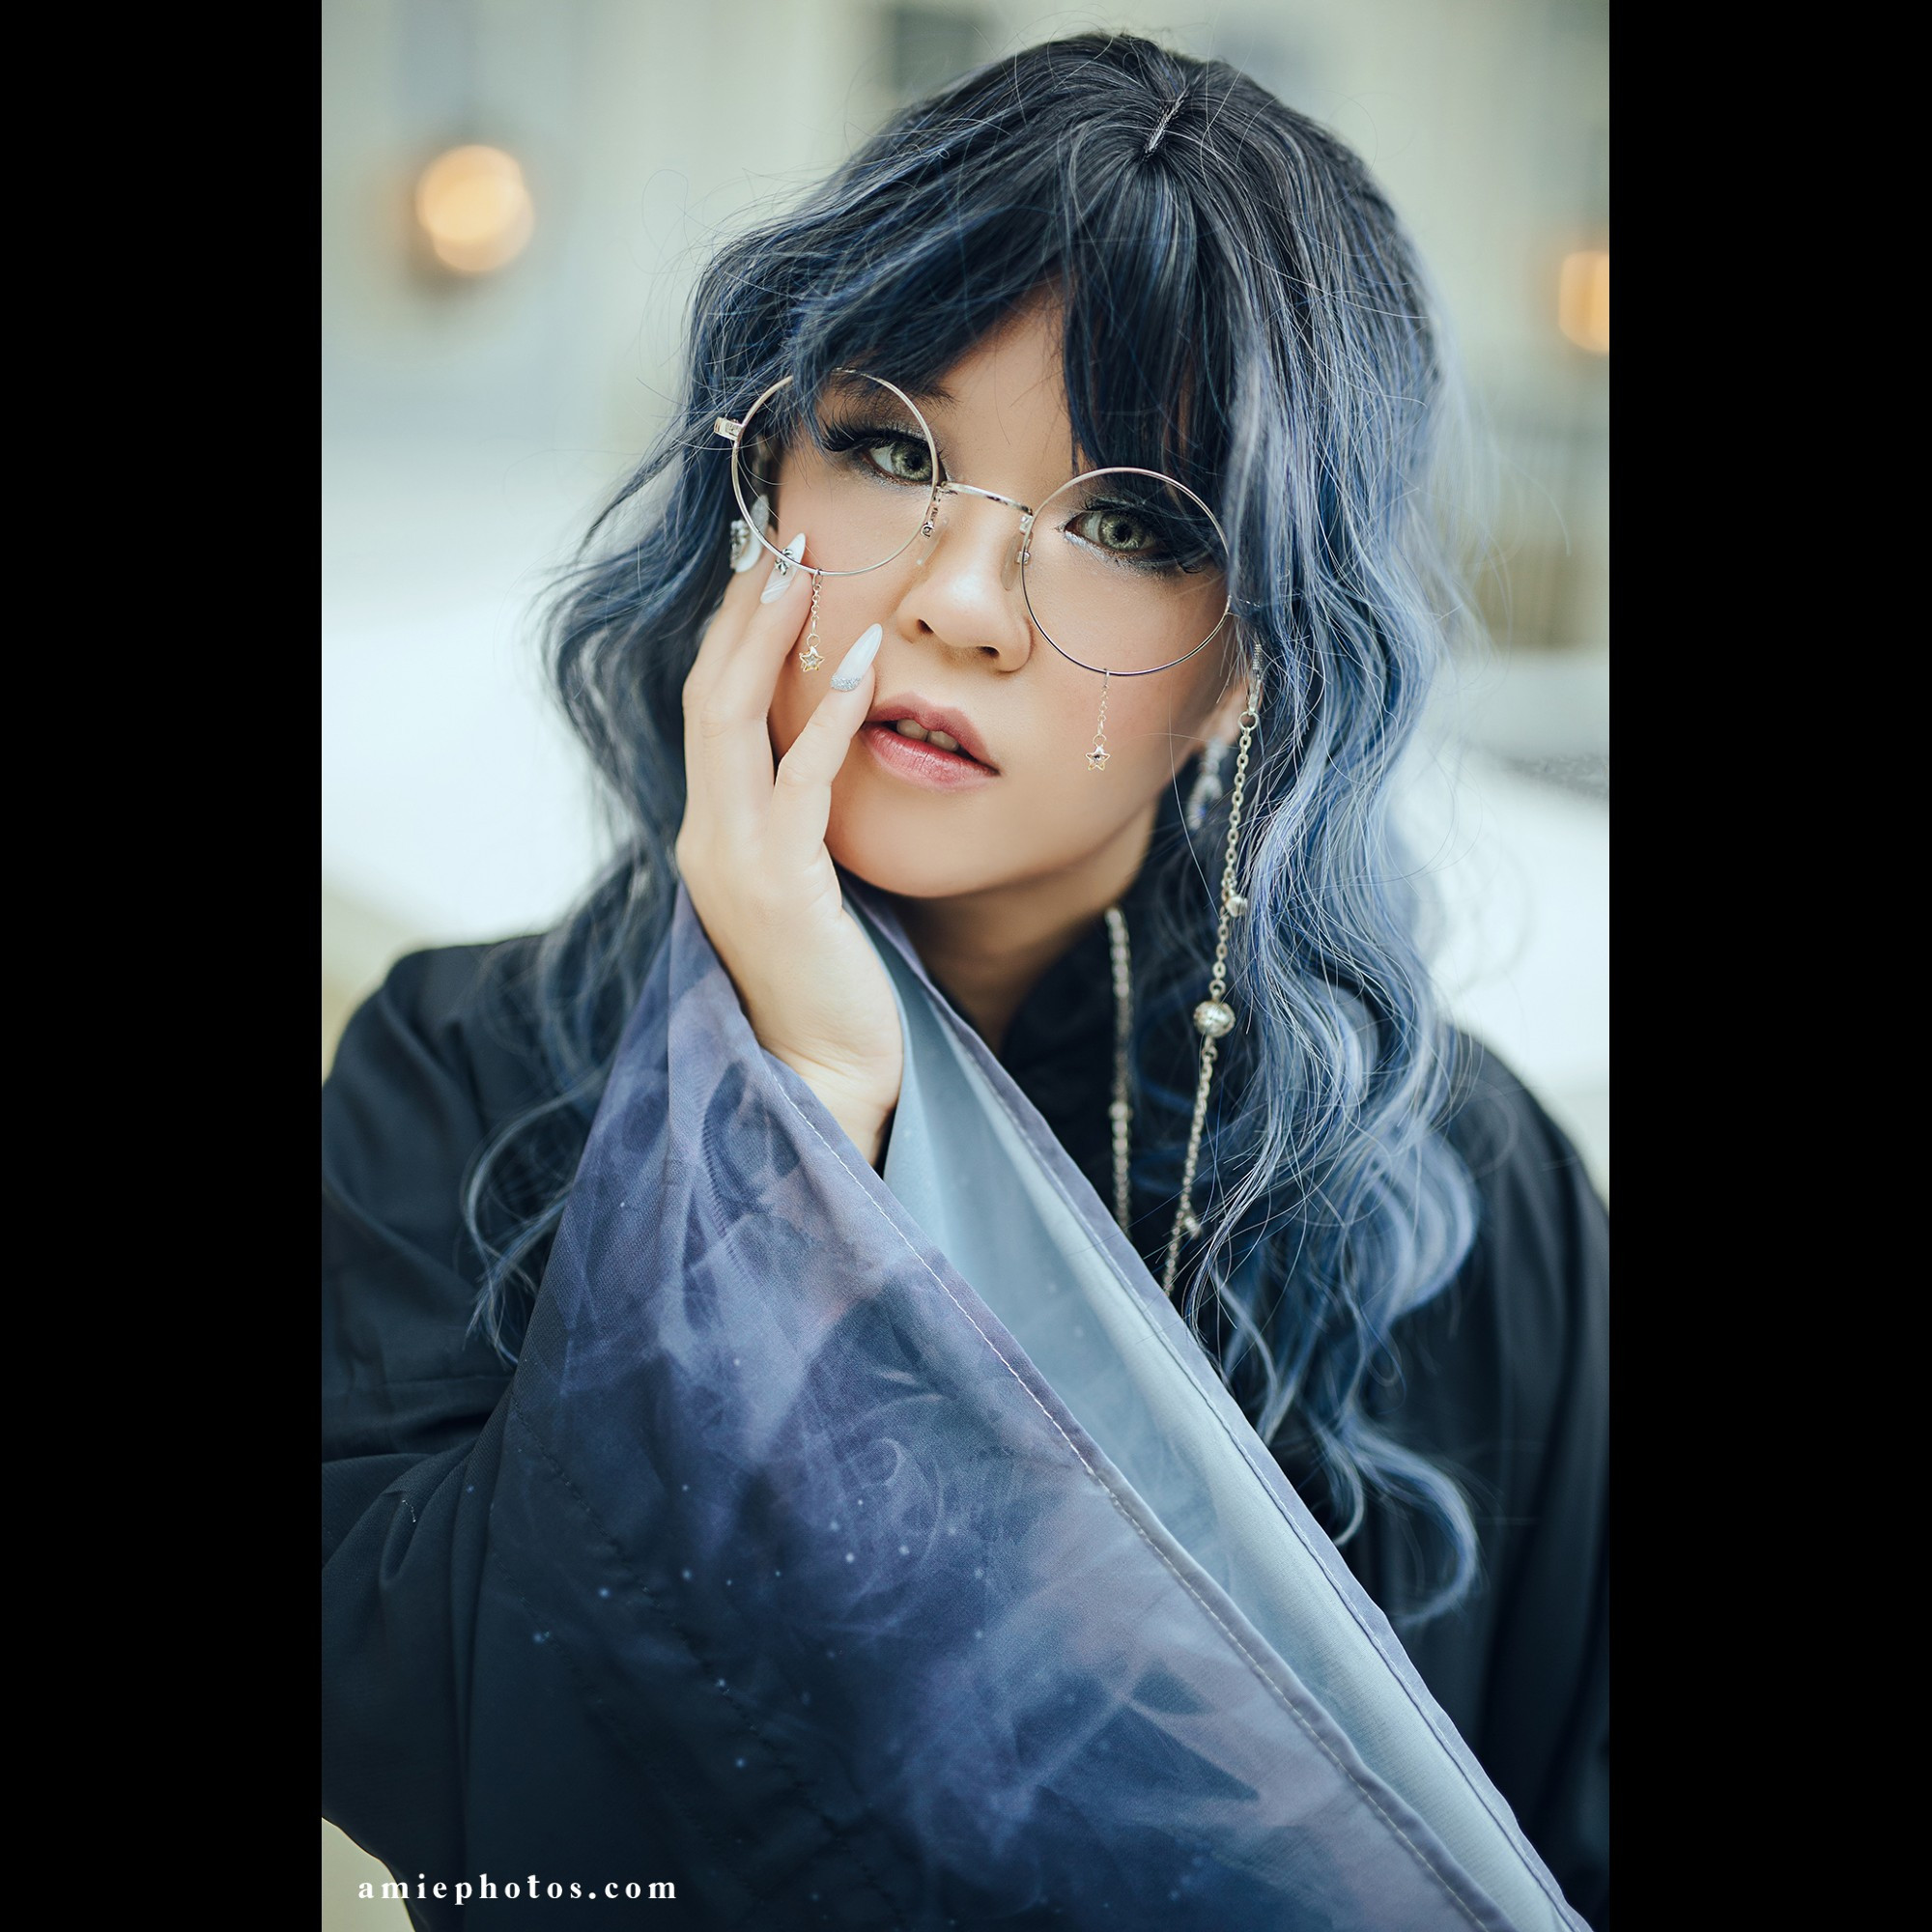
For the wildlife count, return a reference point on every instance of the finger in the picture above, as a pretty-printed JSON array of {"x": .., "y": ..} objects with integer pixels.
[
  {"x": 745, "y": 681},
  {"x": 728, "y": 751},
  {"x": 802, "y": 797},
  {"x": 719, "y": 646}
]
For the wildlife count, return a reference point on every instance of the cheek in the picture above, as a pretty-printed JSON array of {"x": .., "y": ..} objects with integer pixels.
[
  {"x": 847, "y": 606},
  {"x": 1151, "y": 724}
]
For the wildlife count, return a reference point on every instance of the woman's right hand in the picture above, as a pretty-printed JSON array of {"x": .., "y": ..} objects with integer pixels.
[{"x": 752, "y": 852}]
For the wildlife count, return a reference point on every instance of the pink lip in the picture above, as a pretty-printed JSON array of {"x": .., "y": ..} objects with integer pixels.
[
  {"x": 921, "y": 763},
  {"x": 934, "y": 718}
]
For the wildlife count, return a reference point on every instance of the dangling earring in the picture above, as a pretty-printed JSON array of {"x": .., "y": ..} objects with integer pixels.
[
  {"x": 1097, "y": 757},
  {"x": 1206, "y": 790},
  {"x": 1213, "y": 1017},
  {"x": 744, "y": 536},
  {"x": 809, "y": 659}
]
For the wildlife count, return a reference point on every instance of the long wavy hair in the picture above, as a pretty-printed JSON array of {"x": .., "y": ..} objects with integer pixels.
[{"x": 1242, "y": 309}]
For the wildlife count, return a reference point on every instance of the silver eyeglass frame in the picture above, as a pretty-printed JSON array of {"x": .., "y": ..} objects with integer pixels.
[{"x": 732, "y": 430}]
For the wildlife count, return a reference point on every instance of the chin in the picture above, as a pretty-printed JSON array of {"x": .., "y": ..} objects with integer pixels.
[
  {"x": 905, "y": 866},
  {"x": 907, "y": 847}
]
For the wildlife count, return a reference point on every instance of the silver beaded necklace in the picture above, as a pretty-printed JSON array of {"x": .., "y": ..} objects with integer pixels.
[{"x": 1213, "y": 1018}]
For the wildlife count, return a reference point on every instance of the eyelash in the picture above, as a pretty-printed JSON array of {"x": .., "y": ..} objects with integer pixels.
[
  {"x": 1163, "y": 563},
  {"x": 841, "y": 438}
]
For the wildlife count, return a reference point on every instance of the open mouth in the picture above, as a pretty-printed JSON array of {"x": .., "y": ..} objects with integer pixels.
[
  {"x": 940, "y": 741},
  {"x": 924, "y": 753}
]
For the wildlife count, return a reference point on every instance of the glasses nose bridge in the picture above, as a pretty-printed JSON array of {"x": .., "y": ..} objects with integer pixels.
[{"x": 1026, "y": 511}]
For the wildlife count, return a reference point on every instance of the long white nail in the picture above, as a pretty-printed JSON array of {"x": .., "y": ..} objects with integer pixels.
[
  {"x": 852, "y": 665},
  {"x": 781, "y": 571}
]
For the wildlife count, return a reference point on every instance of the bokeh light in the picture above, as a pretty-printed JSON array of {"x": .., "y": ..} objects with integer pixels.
[
  {"x": 476, "y": 208},
  {"x": 1583, "y": 300}
]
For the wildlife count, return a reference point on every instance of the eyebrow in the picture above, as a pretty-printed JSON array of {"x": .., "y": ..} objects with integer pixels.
[
  {"x": 934, "y": 395},
  {"x": 930, "y": 392}
]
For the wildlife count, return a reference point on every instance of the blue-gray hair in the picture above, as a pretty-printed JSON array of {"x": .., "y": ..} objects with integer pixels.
[{"x": 1241, "y": 308}]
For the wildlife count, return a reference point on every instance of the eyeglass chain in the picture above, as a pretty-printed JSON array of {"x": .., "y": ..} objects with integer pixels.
[{"x": 1213, "y": 1018}]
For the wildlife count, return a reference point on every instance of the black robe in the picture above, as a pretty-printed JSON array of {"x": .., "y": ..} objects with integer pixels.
[{"x": 1504, "y": 1381}]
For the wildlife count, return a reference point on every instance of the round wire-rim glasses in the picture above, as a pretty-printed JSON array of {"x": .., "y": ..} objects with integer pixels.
[{"x": 733, "y": 430}]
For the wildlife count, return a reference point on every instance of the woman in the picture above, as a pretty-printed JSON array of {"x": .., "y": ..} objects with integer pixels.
[{"x": 1004, "y": 662}]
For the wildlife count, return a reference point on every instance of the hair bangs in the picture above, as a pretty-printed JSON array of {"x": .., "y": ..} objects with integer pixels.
[
  {"x": 923, "y": 266},
  {"x": 1140, "y": 348}
]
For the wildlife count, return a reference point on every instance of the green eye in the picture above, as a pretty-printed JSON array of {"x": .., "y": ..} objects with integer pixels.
[
  {"x": 902, "y": 458},
  {"x": 1119, "y": 532}
]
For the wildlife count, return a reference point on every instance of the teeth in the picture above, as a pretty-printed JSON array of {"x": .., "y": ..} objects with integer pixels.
[{"x": 908, "y": 727}]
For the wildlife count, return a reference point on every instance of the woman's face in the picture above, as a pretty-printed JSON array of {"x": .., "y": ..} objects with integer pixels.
[{"x": 960, "y": 650}]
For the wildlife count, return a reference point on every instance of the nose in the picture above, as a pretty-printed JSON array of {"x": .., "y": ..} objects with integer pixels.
[{"x": 965, "y": 592}]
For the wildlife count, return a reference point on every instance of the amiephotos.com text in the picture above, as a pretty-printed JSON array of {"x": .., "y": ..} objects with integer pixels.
[{"x": 461, "y": 1891}]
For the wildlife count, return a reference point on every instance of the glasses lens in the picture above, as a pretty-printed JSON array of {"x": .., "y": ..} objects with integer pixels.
[
  {"x": 1125, "y": 571},
  {"x": 855, "y": 474}
]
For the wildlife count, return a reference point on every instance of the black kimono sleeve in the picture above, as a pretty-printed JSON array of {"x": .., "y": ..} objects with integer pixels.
[
  {"x": 412, "y": 1415},
  {"x": 1546, "y": 1722},
  {"x": 1505, "y": 1380},
  {"x": 459, "y": 1742}
]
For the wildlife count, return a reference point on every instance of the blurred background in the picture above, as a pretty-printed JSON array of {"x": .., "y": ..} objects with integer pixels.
[{"x": 516, "y": 195}]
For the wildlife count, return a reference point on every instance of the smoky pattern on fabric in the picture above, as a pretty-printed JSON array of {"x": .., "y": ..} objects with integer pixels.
[{"x": 876, "y": 1634}]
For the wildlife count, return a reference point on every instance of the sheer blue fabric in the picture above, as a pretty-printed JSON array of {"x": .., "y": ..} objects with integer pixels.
[{"x": 905, "y": 1536}]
